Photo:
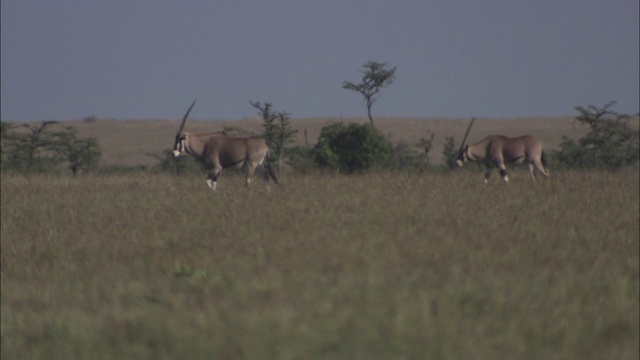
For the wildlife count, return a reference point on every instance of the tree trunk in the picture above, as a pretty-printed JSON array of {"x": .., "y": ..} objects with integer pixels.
[{"x": 369, "y": 112}]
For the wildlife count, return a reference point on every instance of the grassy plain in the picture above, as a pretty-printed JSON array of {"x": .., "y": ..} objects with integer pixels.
[{"x": 375, "y": 266}]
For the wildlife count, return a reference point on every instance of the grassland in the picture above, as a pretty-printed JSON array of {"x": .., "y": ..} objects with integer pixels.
[{"x": 375, "y": 266}]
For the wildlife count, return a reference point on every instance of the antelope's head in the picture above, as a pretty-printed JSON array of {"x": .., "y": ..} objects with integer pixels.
[
  {"x": 463, "y": 153},
  {"x": 178, "y": 147}
]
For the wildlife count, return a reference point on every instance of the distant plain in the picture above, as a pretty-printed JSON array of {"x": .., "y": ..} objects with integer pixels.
[{"x": 129, "y": 143}]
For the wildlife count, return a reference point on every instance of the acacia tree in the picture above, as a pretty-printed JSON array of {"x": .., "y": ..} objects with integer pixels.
[
  {"x": 33, "y": 149},
  {"x": 375, "y": 76},
  {"x": 38, "y": 148},
  {"x": 81, "y": 154},
  {"x": 611, "y": 143}
]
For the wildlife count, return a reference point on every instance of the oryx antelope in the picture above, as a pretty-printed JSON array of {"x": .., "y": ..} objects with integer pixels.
[
  {"x": 498, "y": 150},
  {"x": 217, "y": 151}
]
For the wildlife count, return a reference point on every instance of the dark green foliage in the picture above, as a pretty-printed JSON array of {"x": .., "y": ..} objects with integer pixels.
[
  {"x": 301, "y": 158},
  {"x": 352, "y": 148},
  {"x": 375, "y": 76},
  {"x": 611, "y": 143},
  {"x": 4, "y": 131},
  {"x": 41, "y": 148},
  {"x": 450, "y": 152}
]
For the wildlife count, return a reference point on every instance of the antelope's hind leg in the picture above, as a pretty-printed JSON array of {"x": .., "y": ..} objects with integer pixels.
[
  {"x": 251, "y": 168},
  {"x": 262, "y": 170},
  {"x": 531, "y": 168},
  {"x": 503, "y": 173}
]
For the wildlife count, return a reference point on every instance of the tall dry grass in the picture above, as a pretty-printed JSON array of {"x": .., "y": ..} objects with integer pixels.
[{"x": 373, "y": 266}]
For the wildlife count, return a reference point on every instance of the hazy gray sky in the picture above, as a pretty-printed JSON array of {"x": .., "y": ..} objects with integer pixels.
[{"x": 69, "y": 59}]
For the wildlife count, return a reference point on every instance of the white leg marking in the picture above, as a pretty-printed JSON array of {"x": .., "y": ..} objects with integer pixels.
[{"x": 211, "y": 184}]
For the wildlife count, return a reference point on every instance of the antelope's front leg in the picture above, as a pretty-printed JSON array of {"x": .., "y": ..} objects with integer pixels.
[{"x": 212, "y": 178}]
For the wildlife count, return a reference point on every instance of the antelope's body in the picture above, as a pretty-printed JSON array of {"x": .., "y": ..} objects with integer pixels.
[
  {"x": 217, "y": 151},
  {"x": 498, "y": 150}
]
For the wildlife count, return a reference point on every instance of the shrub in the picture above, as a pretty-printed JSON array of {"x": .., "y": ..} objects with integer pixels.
[
  {"x": 406, "y": 157},
  {"x": 301, "y": 158},
  {"x": 352, "y": 148},
  {"x": 177, "y": 165},
  {"x": 450, "y": 152}
]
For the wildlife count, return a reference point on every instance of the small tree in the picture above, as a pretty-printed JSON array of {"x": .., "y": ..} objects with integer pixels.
[
  {"x": 277, "y": 128},
  {"x": 426, "y": 145},
  {"x": 375, "y": 76},
  {"x": 352, "y": 148},
  {"x": 611, "y": 143}
]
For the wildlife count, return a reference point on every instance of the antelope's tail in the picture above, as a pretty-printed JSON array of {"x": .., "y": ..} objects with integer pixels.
[{"x": 267, "y": 166}]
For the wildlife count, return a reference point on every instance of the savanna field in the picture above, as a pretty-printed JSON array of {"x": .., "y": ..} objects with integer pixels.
[{"x": 431, "y": 265}]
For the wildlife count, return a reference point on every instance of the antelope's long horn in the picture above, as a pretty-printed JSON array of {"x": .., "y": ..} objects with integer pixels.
[
  {"x": 184, "y": 119},
  {"x": 467, "y": 133}
]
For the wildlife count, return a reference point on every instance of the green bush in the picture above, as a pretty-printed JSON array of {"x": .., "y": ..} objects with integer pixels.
[
  {"x": 406, "y": 157},
  {"x": 352, "y": 148},
  {"x": 611, "y": 143},
  {"x": 450, "y": 152}
]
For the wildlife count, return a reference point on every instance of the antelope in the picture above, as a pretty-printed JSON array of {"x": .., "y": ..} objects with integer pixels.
[
  {"x": 217, "y": 151},
  {"x": 498, "y": 150}
]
